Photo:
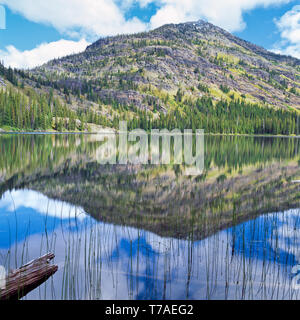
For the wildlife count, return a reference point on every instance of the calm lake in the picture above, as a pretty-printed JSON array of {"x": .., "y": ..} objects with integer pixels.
[{"x": 150, "y": 232}]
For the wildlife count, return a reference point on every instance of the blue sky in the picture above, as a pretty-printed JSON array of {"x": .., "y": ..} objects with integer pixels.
[{"x": 38, "y": 31}]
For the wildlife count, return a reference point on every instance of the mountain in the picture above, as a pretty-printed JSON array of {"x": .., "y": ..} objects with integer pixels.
[
  {"x": 184, "y": 55},
  {"x": 152, "y": 74}
]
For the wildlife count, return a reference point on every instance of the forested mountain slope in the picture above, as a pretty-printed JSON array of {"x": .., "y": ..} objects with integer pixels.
[{"x": 186, "y": 76}]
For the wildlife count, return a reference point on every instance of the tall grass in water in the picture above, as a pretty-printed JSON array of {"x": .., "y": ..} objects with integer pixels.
[{"x": 101, "y": 261}]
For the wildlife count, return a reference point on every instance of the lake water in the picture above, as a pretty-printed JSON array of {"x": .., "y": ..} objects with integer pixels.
[{"x": 149, "y": 232}]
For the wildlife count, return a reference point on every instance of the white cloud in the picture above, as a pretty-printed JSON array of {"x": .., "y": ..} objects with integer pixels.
[
  {"x": 89, "y": 18},
  {"x": 290, "y": 50},
  {"x": 94, "y": 18},
  {"x": 41, "y": 54},
  {"x": 16, "y": 199},
  {"x": 289, "y": 28},
  {"x": 226, "y": 14},
  {"x": 289, "y": 25}
]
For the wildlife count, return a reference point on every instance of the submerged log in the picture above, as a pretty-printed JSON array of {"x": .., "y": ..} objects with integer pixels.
[{"x": 30, "y": 276}]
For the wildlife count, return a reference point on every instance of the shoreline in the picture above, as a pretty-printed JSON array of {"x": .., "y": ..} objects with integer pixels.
[{"x": 2, "y": 132}]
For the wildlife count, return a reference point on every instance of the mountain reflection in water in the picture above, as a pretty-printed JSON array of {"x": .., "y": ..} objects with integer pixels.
[
  {"x": 149, "y": 232},
  {"x": 101, "y": 261}
]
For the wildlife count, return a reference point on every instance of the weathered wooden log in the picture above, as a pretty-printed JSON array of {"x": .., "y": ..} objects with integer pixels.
[{"x": 30, "y": 276}]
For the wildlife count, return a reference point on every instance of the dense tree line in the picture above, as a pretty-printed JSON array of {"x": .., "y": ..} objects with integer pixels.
[
  {"x": 223, "y": 117},
  {"x": 41, "y": 112},
  {"x": 33, "y": 111}
]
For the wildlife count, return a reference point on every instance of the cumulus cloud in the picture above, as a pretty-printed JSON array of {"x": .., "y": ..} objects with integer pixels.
[
  {"x": 226, "y": 14},
  {"x": 94, "y": 18},
  {"x": 289, "y": 28},
  {"x": 88, "y": 18},
  {"x": 14, "y": 200},
  {"x": 41, "y": 54},
  {"x": 290, "y": 50},
  {"x": 289, "y": 25}
]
